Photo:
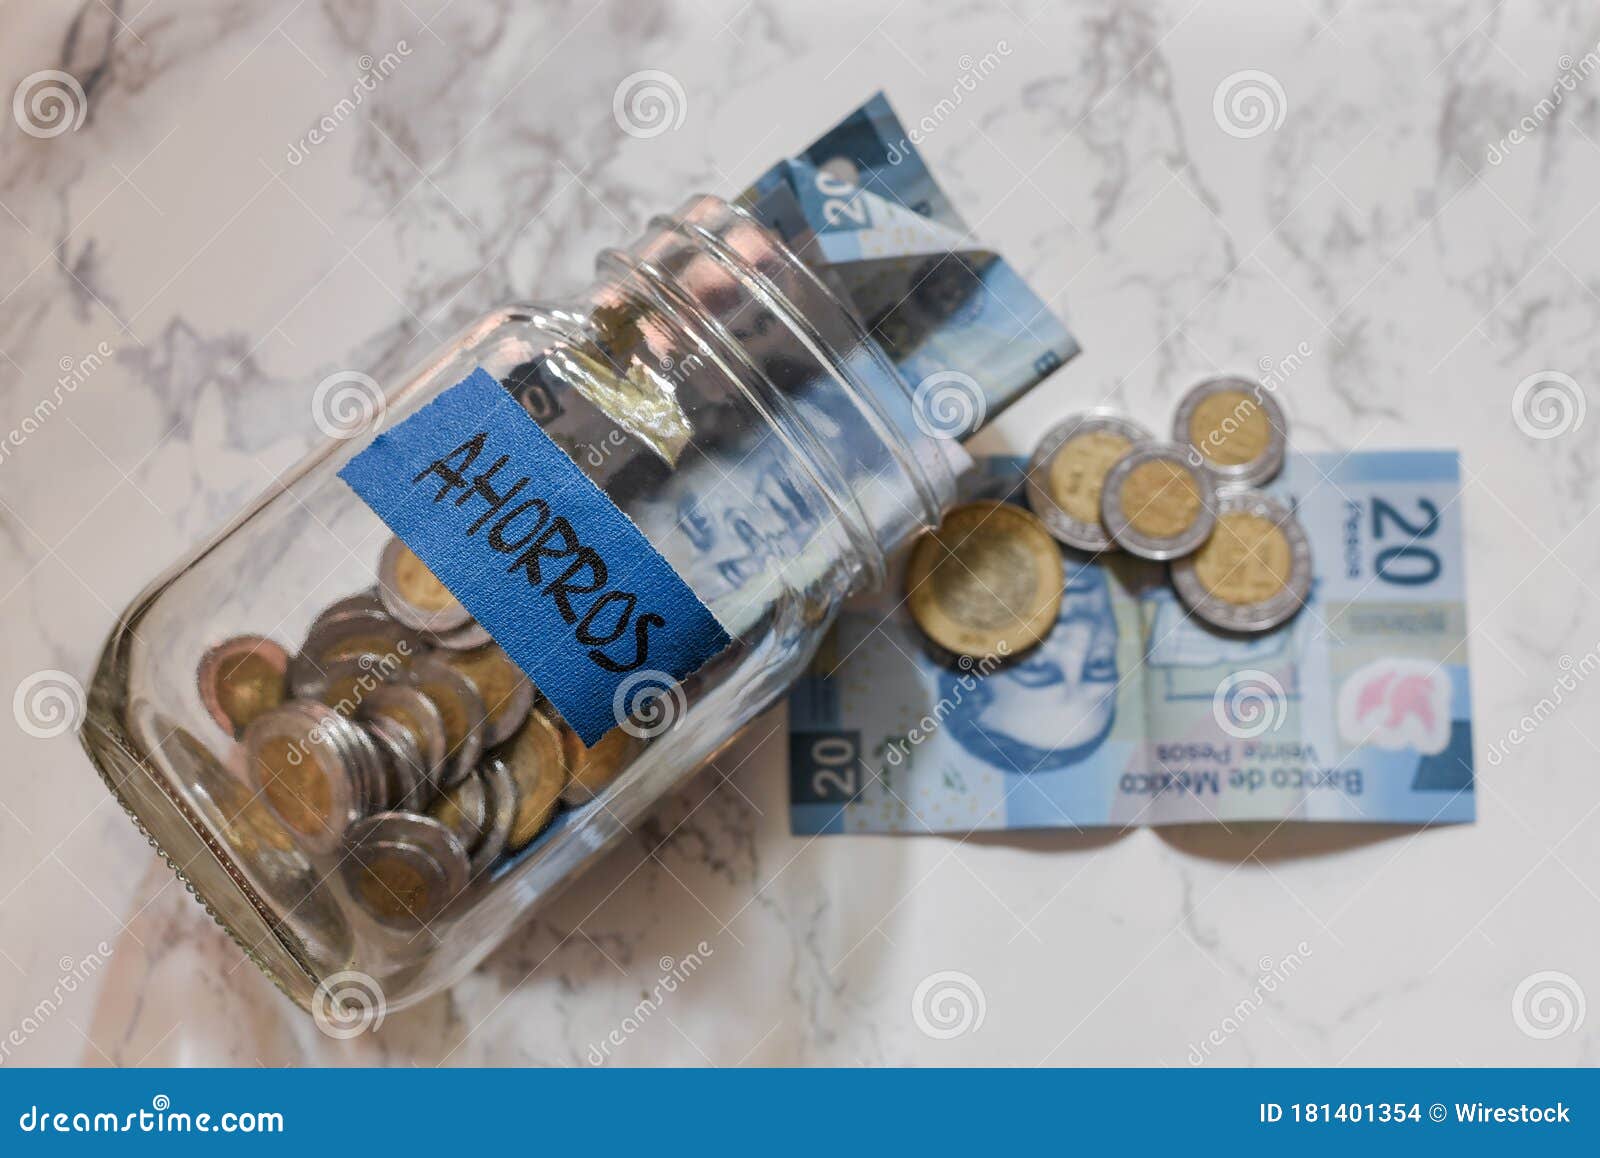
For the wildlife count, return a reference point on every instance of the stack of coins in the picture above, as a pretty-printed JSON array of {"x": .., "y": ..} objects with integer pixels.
[
  {"x": 402, "y": 744},
  {"x": 988, "y": 582}
]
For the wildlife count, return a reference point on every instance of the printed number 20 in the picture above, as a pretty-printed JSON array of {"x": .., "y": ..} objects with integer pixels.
[{"x": 1409, "y": 564}]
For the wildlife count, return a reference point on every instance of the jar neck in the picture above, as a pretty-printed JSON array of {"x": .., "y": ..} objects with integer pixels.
[{"x": 719, "y": 281}]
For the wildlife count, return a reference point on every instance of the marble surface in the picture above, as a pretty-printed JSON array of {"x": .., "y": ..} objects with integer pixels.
[{"x": 1389, "y": 221}]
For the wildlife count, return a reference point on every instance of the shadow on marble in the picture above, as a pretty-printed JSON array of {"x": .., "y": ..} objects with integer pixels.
[{"x": 1276, "y": 841}]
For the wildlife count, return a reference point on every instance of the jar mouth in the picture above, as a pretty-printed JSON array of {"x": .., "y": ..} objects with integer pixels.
[{"x": 902, "y": 484}]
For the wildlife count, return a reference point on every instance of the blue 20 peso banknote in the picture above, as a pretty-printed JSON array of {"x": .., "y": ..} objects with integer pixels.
[{"x": 1132, "y": 712}]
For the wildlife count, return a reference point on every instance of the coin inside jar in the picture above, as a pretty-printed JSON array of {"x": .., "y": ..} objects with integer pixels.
[
  {"x": 591, "y": 770},
  {"x": 504, "y": 809},
  {"x": 464, "y": 810},
  {"x": 987, "y": 583},
  {"x": 309, "y": 781},
  {"x": 460, "y": 708},
  {"x": 349, "y": 636},
  {"x": 538, "y": 769},
  {"x": 417, "y": 714},
  {"x": 241, "y": 678},
  {"x": 1067, "y": 473},
  {"x": 507, "y": 695},
  {"x": 404, "y": 868},
  {"x": 1254, "y": 572},
  {"x": 1156, "y": 504},
  {"x": 413, "y": 594},
  {"x": 1236, "y": 428}
]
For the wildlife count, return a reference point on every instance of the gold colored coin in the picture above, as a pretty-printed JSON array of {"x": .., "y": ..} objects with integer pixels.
[
  {"x": 1160, "y": 498},
  {"x": 1230, "y": 428},
  {"x": 464, "y": 810},
  {"x": 539, "y": 770},
  {"x": 1247, "y": 559},
  {"x": 987, "y": 583},
  {"x": 250, "y": 685},
  {"x": 419, "y": 586},
  {"x": 296, "y": 785},
  {"x": 507, "y": 694},
  {"x": 1078, "y": 471},
  {"x": 590, "y": 770},
  {"x": 393, "y": 887}
]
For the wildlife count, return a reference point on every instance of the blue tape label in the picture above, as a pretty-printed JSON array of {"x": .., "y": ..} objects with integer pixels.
[{"x": 563, "y": 580}]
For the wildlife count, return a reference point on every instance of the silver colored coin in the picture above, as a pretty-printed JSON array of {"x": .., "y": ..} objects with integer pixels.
[
  {"x": 361, "y": 603},
  {"x": 411, "y": 710},
  {"x": 461, "y": 709},
  {"x": 404, "y": 868},
  {"x": 402, "y": 578},
  {"x": 1254, "y": 413},
  {"x": 501, "y": 791},
  {"x": 1137, "y": 531},
  {"x": 406, "y": 785},
  {"x": 1264, "y": 614},
  {"x": 369, "y": 762},
  {"x": 464, "y": 810},
  {"x": 1064, "y": 526}
]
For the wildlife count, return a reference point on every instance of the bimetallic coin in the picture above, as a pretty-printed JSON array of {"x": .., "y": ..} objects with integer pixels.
[
  {"x": 406, "y": 785},
  {"x": 390, "y": 647},
  {"x": 414, "y": 595},
  {"x": 465, "y": 638},
  {"x": 507, "y": 694},
  {"x": 368, "y": 761},
  {"x": 1235, "y": 429},
  {"x": 346, "y": 683},
  {"x": 504, "y": 811},
  {"x": 1155, "y": 504},
  {"x": 306, "y": 776},
  {"x": 1254, "y": 572},
  {"x": 417, "y": 714},
  {"x": 591, "y": 770},
  {"x": 538, "y": 769},
  {"x": 464, "y": 810},
  {"x": 241, "y": 678},
  {"x": 1068, "y": 470},
  {"x": 404, "y": 868},
  {"x": 986, "y": 584},
  {"x": 460, "y": 708}
]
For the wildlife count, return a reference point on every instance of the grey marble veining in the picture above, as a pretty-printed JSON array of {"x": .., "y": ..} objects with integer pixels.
[{"x": 1389, "y": 222}]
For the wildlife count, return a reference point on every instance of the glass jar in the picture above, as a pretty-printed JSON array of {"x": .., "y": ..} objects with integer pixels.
[{"x": 720, "y": 396}]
